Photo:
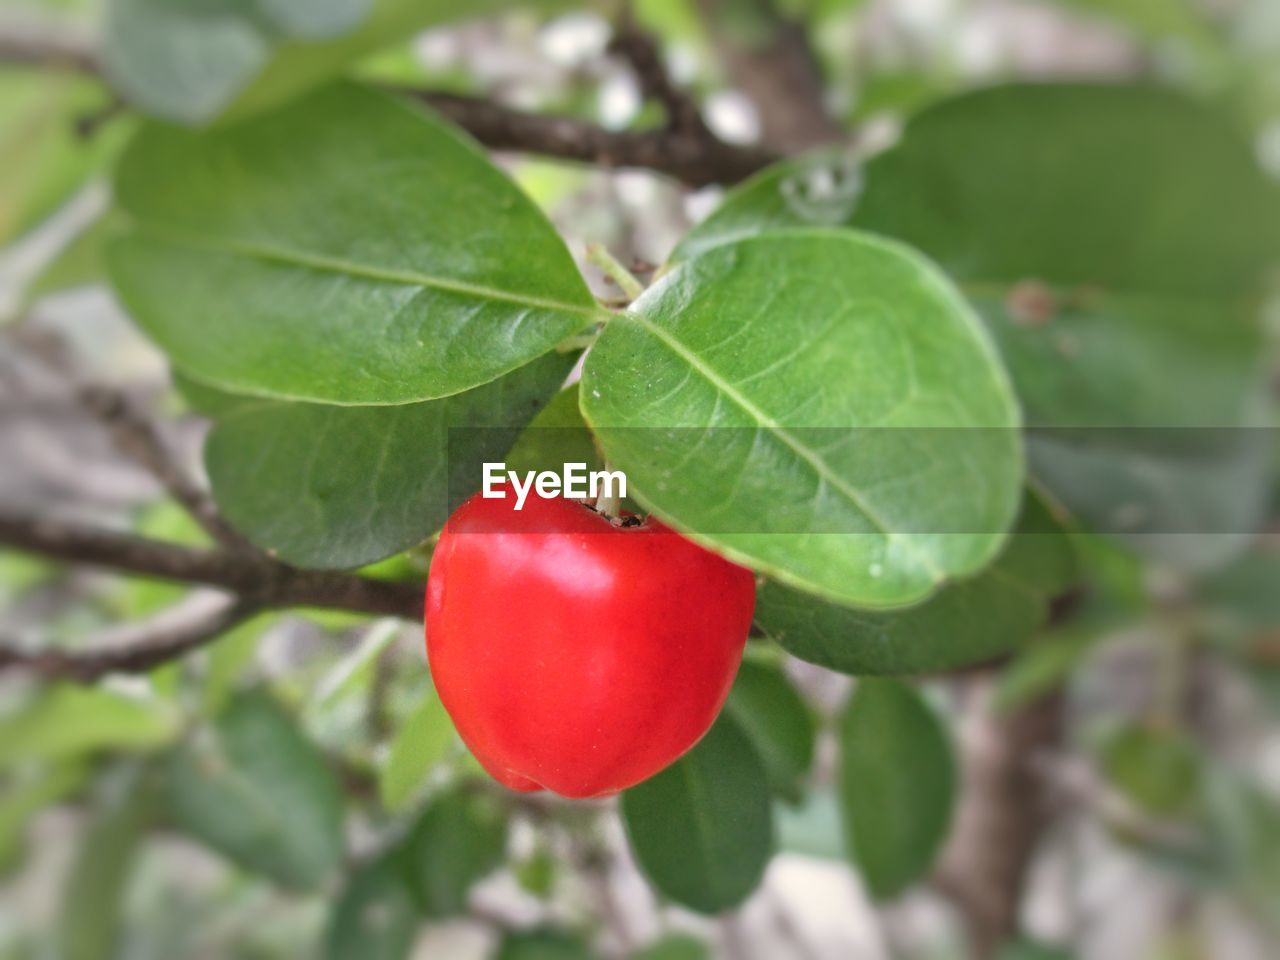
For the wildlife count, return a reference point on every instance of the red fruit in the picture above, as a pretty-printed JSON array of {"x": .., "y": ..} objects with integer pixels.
[{"x": 578, "y": 654}]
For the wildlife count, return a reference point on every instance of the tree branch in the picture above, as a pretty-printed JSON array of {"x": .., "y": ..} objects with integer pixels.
[
  {"x": 694, "y": 159},
  {"x": 255, "y": 578},
  {"x": 32, "y": 42},
  {"x": 687, "y": 151},
  {"x": 639, "y": 49},
  {"x": 770, "y": 58},
  {"x": 136, "y": 648}
]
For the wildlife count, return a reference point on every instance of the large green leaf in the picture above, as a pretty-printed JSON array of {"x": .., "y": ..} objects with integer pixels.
[
  {"x": 43, "y": 156},
  {"x": 422, "y": 741},
  {"x": 460, "y": 837},
  {"x": 966, "y": 622},
  {"x": 27, "y": 794},
  {"x": 94, "y": 897},
  {"x": 819, "y": 405},
  {"x": 780, "y": 725},
  {"x": 897, "y": 784},
  {"x": 67, "y": 721},
  {"x": 196, "y": 60},
  {"x": 376, "y": 915},
  {"x": 702, "y": 829},
  {"x": 1112, "y": 237},
  {"x": 331, "y": 486},
  {"x": 544, "y": 944},
  {"x": 347, "y": 249},
  {"x": 255, "y": 789}
]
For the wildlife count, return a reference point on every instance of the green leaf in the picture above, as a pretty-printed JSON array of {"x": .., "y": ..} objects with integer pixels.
[
  {"x": 68, "y": 721},
  {"x": 1033, "y": 950},
  {"x": 702, "y": 829},
  {"x": 26, "y": 795},
  {"x": 79, "y": 263},
  {"x": 1245, "y": 592},
  {"x": 43, "y": 159},
  {"x": 556, "y": 436},
  {"x": 1121, "y": 297},
  {"x": 91, "y": 923},
  {"x": 1158, "y": 770},
  {"x": 187, "y": 59},
  {"x": 966, "y": 622},
  {"x": 812, "y": 828},
  {"x": 376, "y": 916},
  {"x": 330, "y": 486},
  {"x": 256, "y": 790},
  {"x": 1244, "y": 821},
  {"x": 348, "y": 249},
  {"x": 897, "y": 784},
  {"x": 459, "y": 839},
  {"x": 194, "y": 61},
  {"x": 778, "y": 722},
  {"x": 544, "y": 944},
  {"x": 676, "y": 946},
  {"x": 900, "y": 470},
  {"x": 420, "y": 743}
]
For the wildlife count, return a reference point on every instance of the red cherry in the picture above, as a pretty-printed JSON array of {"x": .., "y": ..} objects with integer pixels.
[{"x": 575, "y": 653}]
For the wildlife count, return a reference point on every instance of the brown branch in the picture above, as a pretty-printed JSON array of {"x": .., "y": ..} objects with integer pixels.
[
  {"x": 770, "y": 58},
  {"x": 255, "y": 578},
  {"x": 134, "y": 649},
  {"x": 687, "y": 152},
  {"x": 136, "y": 436},
  {"x": 31, "y": 42},
  {"x": 695, "y": 159},
  {"x": 1002, "y": 814},
  {"x": 639, "y": 49}
]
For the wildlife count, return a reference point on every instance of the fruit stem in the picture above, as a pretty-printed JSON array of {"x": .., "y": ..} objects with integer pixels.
[
  {"x": 615, "y": 271},
  {"x": 609, "y": 504}
]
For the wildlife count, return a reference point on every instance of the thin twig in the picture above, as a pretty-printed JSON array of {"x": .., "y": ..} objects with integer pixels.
[
  {"x": 639, "y": 49},
  {"x": 137, "y": 437},
  {"x": 136, "y": 648},
  {"x": 256, "y": 577},
  {"x": 688, "y": 153},
  {"x": 135, "y": 434},
  {"x": 693, "y": 159}
]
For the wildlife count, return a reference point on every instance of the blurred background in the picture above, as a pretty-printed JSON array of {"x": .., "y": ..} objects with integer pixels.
[{"x": 1120, "y": 787}]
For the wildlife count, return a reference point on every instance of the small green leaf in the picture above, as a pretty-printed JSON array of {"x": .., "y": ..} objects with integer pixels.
[
  {"x": 186, "y": 59},
  {"x": 545, "y": 944},
  {"x": 459, "y": 839},
  {"x": 897, "y": 784},
  {"x": 778, "y": 722},
  {"x": 376, "y": 916},
  {"x": 349, "y": 249},
  {"x": 676, "y": 946},
  {"x": 901, "y": 471},
  {"x": 25, "y": 795},
  {"x": 91, "y": 923},
  {"x": 1158, "y": 770},
  {"x": 256, "y": 790},
  {"x": 420, "y": 743},
  {"x": 702, "y": 829},
  {"x": 68, "y": 721},
  {"x": 329, "y": 486},
  {"x": 966, "y": 622},
  {"x": 43, "y": 159}
]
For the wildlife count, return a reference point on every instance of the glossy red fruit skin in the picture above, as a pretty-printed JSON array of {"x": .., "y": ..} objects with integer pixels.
[{"x": 574, "y": 654}]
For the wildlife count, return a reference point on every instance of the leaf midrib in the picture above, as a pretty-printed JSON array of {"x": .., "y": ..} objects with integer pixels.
[
  {"x": 765, "y": 422},
  {"x": 338, "y": 265}
]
